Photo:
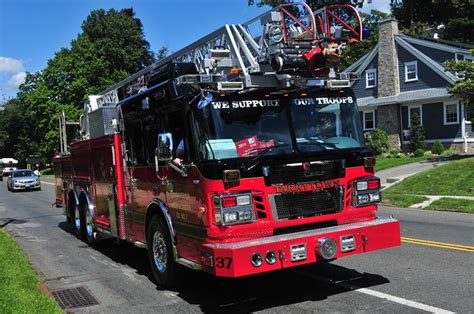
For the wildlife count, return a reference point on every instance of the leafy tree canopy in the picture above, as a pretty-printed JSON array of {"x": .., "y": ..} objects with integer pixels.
[
  {"x": 110, "y": 47},
  {"x": 355, "y": 51},
  {"x": 451, "y": 19},
  {"x": 464, "y": 88}
]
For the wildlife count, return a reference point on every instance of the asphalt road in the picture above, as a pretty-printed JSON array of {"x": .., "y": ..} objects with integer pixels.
[{"x": 416, "y": 277}]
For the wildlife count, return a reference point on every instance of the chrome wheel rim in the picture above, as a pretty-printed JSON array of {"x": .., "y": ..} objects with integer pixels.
[
  {"x": 89, "y": 224},
  {"x": 77, "y": 218},
  {"x": 159, "y": 251}
]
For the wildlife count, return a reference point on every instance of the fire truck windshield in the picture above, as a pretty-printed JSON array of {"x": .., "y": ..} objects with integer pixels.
[
  {"x": 323, "y": 123},
  {"x": 233, "y": 128}
]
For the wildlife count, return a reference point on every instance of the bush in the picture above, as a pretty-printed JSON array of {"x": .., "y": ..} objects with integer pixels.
[
  {"x": 437, "y": 148},
  {"x": 377, "y": 141},
  {"x": 447, "y": 153},
  {"x": 394, "y": 152},
  {"x": 419, "y": 152}
]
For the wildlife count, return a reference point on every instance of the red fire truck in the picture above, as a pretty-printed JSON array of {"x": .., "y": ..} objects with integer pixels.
[{"x": 237, "y": 155}]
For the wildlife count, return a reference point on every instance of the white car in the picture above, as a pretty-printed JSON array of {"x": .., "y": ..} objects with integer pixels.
[{"x": 23, "y": 179}]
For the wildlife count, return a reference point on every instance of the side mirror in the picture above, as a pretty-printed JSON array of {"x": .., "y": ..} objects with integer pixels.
[
  {"x": 164, "y": 147},
  {"x": 163, "y": 153}
]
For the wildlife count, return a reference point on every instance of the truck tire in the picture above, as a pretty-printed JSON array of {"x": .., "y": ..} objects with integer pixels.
[
  {"x": 78, "y": 222},
  {"x": 89, "y": 228},
  {"x": 160, "y": 253}
]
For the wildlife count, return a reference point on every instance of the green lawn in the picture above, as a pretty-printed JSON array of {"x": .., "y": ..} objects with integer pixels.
[
  {"x": 465, "y": 206},
  {"x": 454, "y": 178},
  {"x": 19, "y": 292},
  {"x": 385, "y": 163}
]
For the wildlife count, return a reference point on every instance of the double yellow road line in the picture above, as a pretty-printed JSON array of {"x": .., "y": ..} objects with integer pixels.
[{"x": 450, "y": 246}]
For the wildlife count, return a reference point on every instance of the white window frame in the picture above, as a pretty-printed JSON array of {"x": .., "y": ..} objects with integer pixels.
[
  {"x": 367, "y": 72},
  {"x": 407, "y": 64},
  {"x": 409, "y": 114},
  {"x": 363, "y": 120},
  {"x": 445, "y": 122}
]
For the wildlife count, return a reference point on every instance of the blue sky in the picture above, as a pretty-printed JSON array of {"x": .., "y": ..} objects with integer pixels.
[{"x": 31, "y": 31}]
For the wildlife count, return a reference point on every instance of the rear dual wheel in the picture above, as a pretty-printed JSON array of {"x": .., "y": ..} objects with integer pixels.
[
  {"x": 78, "y": 222},
  {"x": 89, "y": 226},
  {"x": 83, "y": 224}
]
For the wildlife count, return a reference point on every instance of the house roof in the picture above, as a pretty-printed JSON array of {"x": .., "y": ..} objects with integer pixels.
[
  {"x": 407, "y": 43},
  {"x": 360, "y": 65},
  {"x": 368, "y": 56},
  {"x": 440, "y": 44},
  {"x": 422, "y": 95},
  {"x": 451, "y": 78}
]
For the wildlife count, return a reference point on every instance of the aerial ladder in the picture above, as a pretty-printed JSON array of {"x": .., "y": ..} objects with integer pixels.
[{"x": 289, "y": 48}]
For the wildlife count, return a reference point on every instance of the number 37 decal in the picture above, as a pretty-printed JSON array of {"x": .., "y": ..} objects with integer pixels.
[{"x": 223, "y": 262}]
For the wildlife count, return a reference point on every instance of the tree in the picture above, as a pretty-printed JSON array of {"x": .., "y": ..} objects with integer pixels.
[
  {"x": 377, "y": 141},
  {"x": 111, "y": 47},
  {"x": 162, "y": 53},
  {"x": 417, "y": 133},
  {"x": 119, "y": 43},
  {"x": 464, "y": 88},
  {"x": 451, "y": 19},
  {"x": 355, "y": 51}
]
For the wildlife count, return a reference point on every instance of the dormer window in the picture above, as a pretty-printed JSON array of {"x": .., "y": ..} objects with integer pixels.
[
  {"x": 370, "y": 78},
  {"x": 411, "y": 71}
]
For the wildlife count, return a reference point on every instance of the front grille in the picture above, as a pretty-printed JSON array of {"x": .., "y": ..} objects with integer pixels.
[
  {"x": 306, "y": 204},
  {"x": 315, "y": 171}
]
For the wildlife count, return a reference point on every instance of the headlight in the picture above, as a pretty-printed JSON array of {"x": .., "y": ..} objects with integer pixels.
[
  {"x": 366, "y": 191},
  {"x": 233, "y": 209}
]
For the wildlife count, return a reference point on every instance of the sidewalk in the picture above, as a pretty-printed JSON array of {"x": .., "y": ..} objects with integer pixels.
[{"x": 432, "y": 198}]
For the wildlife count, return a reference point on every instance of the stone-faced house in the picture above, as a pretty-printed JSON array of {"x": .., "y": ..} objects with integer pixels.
[{"x": 403, "y": 75}]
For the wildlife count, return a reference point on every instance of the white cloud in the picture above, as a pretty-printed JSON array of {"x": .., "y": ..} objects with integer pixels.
[
  {"x": 16, "y": 80},
  {"x": 10, "y": 65}
]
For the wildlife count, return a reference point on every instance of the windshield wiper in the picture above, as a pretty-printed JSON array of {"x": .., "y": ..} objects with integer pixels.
[{"x": 255, "y": 161}]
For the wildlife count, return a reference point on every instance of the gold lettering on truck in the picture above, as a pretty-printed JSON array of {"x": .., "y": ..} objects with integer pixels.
[{"x": 306, "y": 187}]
